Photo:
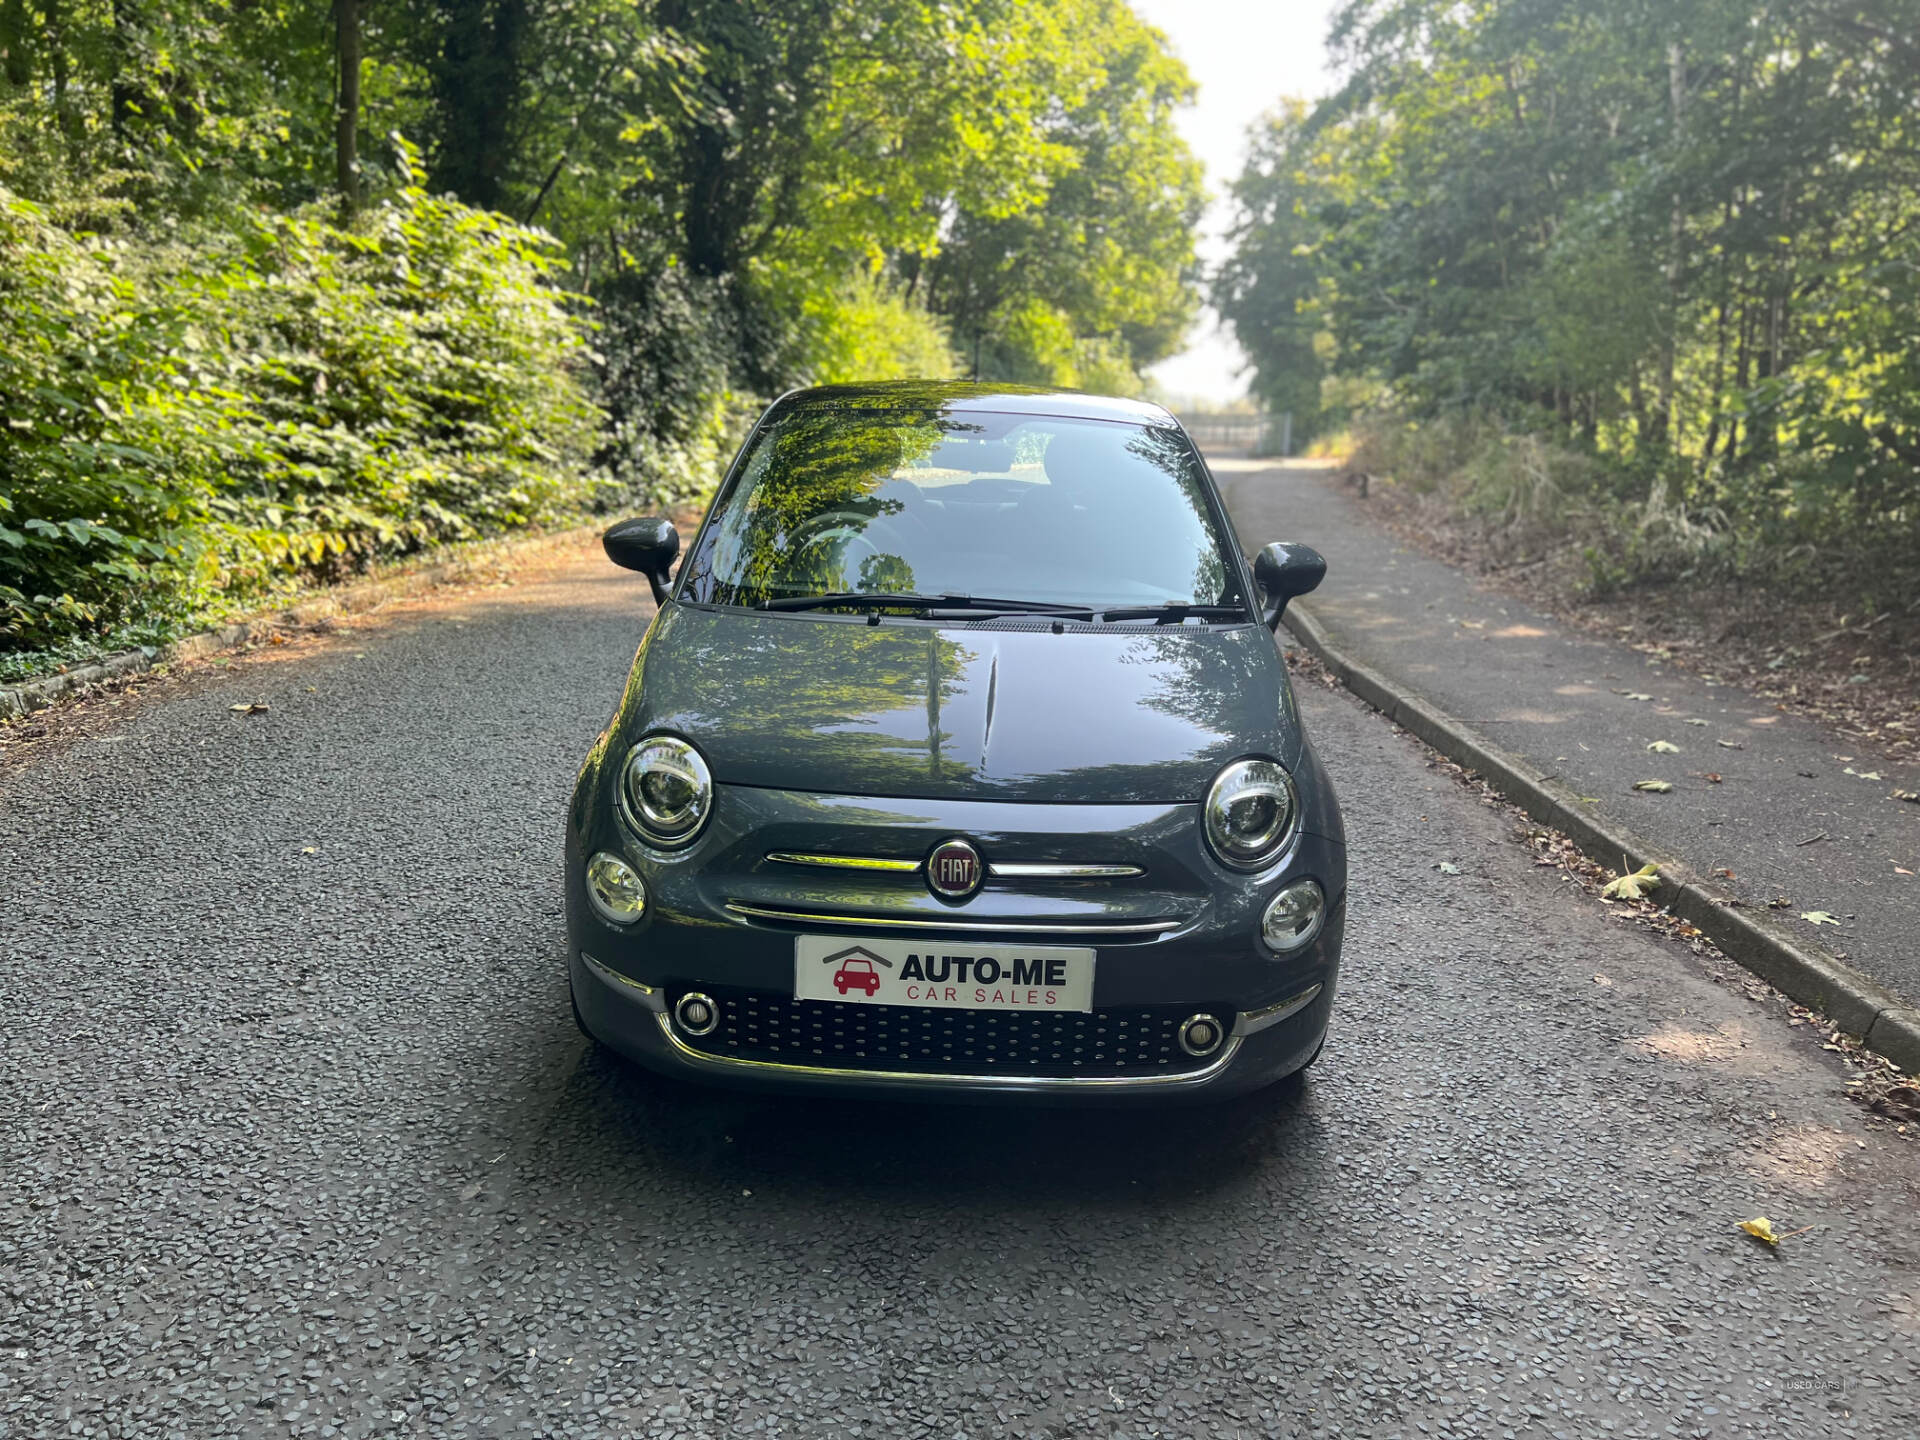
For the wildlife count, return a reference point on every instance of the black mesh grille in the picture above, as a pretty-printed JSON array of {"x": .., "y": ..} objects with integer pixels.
[{"x": 761, "y": 1025}]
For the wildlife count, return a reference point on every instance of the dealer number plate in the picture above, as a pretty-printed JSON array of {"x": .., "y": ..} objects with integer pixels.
[{"x": 943, "y": 974}]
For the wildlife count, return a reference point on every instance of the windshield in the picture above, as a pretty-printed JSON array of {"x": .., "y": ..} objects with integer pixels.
[{"x": 1018, "y": 507}]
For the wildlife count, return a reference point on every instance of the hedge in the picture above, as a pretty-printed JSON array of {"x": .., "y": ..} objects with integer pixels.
[{"x": 189, "y": 421}]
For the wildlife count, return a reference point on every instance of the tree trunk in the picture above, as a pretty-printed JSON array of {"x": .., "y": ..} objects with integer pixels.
[
  {"x": 1763, "y": 426},
  {"x": 476, "y": 81},
  {"x": 56, "y": 32},
  {"x": 122, "y": 93},
  {"x": 1661, "y": 429},
  {"x": 346, "y": 135},
  {"x": 13, "y": 40}
]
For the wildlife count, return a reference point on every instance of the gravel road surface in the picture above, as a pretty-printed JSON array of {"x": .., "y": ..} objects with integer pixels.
[{"x": 297, "y": 1137}]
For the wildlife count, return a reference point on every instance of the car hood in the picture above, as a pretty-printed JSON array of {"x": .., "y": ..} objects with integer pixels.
[{"x": 1007, "y": 712}]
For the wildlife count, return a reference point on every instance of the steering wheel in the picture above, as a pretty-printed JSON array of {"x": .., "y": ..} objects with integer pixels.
[{"x": 848, "y": 528}]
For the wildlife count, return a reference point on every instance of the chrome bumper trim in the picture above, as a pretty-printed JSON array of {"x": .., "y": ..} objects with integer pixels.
[
  {"x": 942, "y": 922},
  {"x": 1011, "y": 1084},
  {"x": 651, "y": 996},
  {"x": 1252, "y": 1022}
]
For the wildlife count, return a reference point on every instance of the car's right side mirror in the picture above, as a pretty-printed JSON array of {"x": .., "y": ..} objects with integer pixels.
[
  {"x": 649, "y": 545},
  {"x": 1283, "y": 571}
]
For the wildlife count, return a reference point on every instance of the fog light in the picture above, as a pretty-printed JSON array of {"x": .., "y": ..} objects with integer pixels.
[
  {"x": 616, "y": 889},
  {"x": 697, "y": 1014},
  {"x": 1201, "y": 1035},
  {"x": 1293, "y": 916}
]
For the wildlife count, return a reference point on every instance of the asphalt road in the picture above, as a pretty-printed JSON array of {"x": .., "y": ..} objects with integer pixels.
[
  {"x": 297, "y": 1137},
  {"x": 1766, "y": 806}
]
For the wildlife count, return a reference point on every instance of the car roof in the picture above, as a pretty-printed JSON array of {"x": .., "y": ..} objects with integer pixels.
[{"x": 975, "y": 395}]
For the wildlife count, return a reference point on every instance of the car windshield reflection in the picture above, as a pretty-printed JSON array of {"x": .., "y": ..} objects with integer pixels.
[{"x": 928, "y": 510}]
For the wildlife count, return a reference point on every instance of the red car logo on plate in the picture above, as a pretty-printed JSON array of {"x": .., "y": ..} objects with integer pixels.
[
  {"x": 856, "y": 970},
  {"x": 954, "y": 870},
  {"x": 857, "y": 975}
]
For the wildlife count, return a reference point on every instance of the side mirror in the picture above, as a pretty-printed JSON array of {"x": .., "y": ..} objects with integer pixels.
[
  {"x": 1284, "y": 571},
  {"x": 648, "y": 545}
]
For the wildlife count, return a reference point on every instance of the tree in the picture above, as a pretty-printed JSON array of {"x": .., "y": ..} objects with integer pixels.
[
  {"x": 1102, "y": 272},
  {"x": 347, "y": 136}
]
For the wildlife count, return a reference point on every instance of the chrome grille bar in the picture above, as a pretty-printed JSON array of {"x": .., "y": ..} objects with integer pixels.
[
  {"x": 843, "y": 862},
  {"x": 942, "y": 922},
  {"x": 999, "y": 869},
  {"x": 1036, "y": 870}
]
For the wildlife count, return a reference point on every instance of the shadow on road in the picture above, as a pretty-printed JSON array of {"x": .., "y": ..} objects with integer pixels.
[{"x": 647, "y": 1130}]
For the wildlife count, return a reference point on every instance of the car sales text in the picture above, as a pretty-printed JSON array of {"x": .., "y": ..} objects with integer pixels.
[{"x": 927, "y": 976}]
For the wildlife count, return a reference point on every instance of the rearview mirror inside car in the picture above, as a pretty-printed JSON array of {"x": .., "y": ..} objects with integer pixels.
[
  {"x": 1283, "y": 571},
  {"x": 649, "y": 545}
]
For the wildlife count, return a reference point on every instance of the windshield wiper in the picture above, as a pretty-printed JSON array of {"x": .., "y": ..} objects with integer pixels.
[
  {"x": 881, "y": 600},
  {"x": 1174, "y": 614}
]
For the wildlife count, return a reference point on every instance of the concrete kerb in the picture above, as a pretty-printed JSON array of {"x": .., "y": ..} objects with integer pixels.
[
  {"x": 1855, "y": 1002},
  {"x": 31, "y": 695}
]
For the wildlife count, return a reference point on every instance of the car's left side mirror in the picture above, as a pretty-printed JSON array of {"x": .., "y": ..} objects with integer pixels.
[
  {"x": 1284, "y": 571},
  {"x": 648, "y": 545}
]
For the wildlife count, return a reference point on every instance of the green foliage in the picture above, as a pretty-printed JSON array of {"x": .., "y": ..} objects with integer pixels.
[
  {"x": 188, "y": 420},
  {"x": 92, "y": 527},
  {"x": 232, "y": 354},
  {"x": 866, "y": 329},
  {"x": 1674, "y": 244},
  {"x": 1098, "y": 280}
]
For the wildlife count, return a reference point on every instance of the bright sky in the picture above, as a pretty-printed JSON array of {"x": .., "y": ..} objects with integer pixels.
[{"x": 1245, "y": 54}]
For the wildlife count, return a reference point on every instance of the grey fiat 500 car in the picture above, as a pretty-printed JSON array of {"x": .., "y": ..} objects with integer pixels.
[{"x": 959, "y": 759}]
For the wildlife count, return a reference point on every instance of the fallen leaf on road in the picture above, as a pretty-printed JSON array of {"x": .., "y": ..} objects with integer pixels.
[
  {"x": 1446, "y": 869},
  {"x": 1864, "y": 774},
  {"x": 1901, "y": 870},
  {"x": 1729, "y": 744},
  {"x": 1664, "y": 747},
  {"x": 1912, "y": 797},
  {"x": 1657, "y": 787},
  {"x": 310, "y": 850},
  {"x": 250, "y": 707},
  {"x": 1819, "y": 917},
  {"x": 1712, "y": 777},
  {"x": 1761, "y": 1228},
  {"x": 1724, "y": 873},
  {"x": 1601, "y": 980},
  {"x": 1696, "y": 722},
  {"x": 1634, "y": 886}
]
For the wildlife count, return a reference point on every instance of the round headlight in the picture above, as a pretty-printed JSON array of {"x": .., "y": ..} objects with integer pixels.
[
  {"x": 1249, "y": 812},
  {"x": 616, "y": 889},
  {"x": 666, "y": 790},
  {"x": 1294, "y": 916}
]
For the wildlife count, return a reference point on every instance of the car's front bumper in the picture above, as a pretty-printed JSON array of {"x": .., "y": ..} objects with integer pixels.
[
  {"x": 636, "y": 1020},
  {"x": 1178, "y": 939},
  {"x": 1265, "y": 1043}
]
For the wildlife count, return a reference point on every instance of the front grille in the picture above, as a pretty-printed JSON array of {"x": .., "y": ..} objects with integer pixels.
[{"x": 766, "y": 1026}]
